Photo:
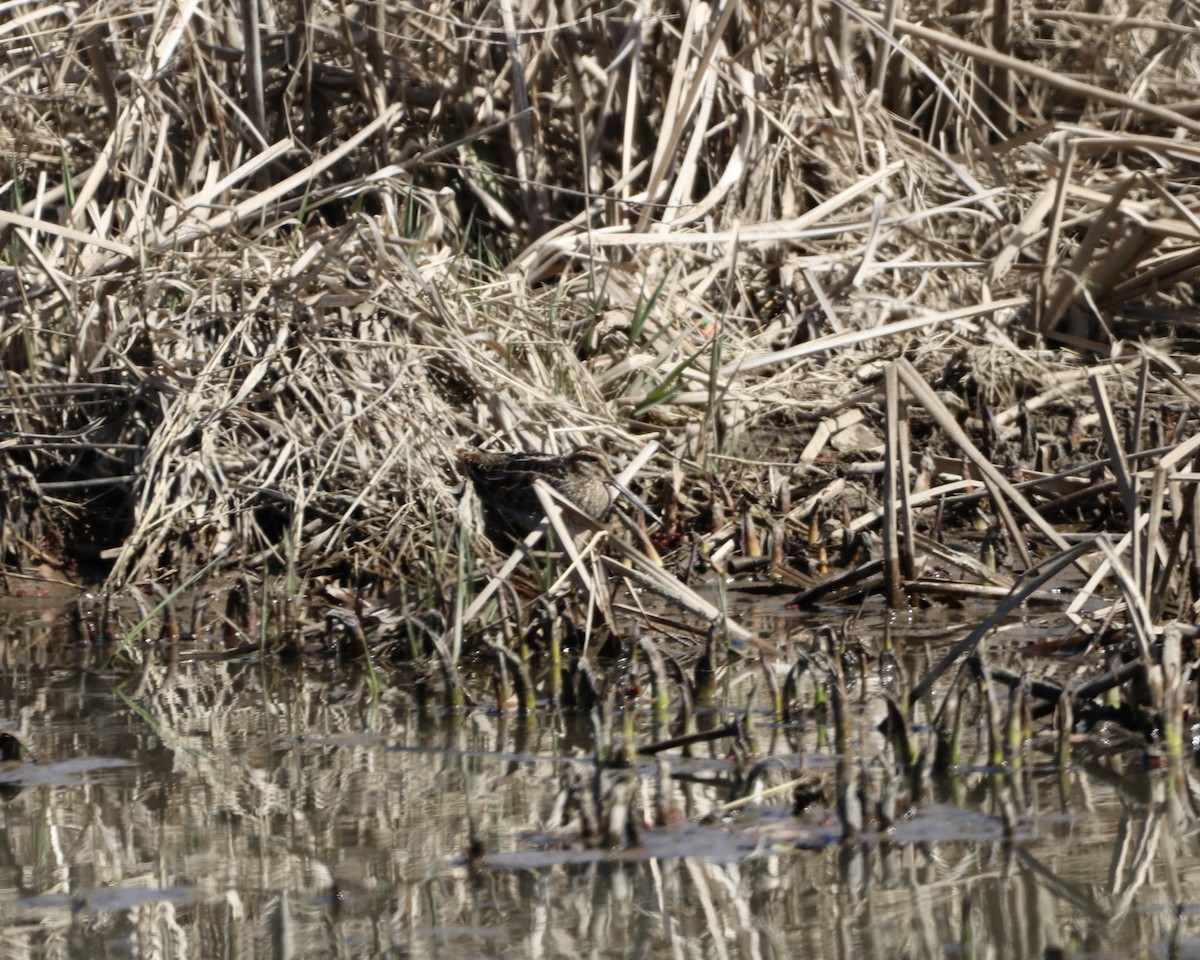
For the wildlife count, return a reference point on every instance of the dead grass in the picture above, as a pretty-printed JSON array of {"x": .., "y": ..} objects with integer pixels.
[{"x": 253, "y": 301}]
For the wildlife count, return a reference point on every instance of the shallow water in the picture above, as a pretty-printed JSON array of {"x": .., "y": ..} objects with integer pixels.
[{"x": 231, "y": 809}]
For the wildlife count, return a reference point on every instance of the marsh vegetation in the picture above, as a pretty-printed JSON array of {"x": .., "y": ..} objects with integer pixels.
[{"x": 887, "y": 315}]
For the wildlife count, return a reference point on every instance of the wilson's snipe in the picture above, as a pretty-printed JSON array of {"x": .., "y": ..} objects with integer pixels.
[{"x": 504, "y": 483}]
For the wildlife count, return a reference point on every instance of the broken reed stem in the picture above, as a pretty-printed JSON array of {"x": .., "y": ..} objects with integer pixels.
[
  {"x": 908, "y": 533},
  {"x": 1161, "y": 590},
  {"x": 587, "y": 580},
  {"x": 1117, "y": 462},
  {"x": 1000, "y": 97},
  {"x": 647, "y": 574},
  {"x": 1049, "y": 570},
  {"x": 892, "y": 572},
  {"x": 1074, "y": 284},
  {"x": 1139, "y": 616},
  {"x": 1145, "y": 565},
  {"x": 997, "y": 484}
]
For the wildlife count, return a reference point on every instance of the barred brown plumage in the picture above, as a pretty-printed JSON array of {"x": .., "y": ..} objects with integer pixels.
[{"x": 504, "y": 483}]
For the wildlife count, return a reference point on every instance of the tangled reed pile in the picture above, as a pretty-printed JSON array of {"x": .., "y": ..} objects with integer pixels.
[{"x": 266, "y": 269}]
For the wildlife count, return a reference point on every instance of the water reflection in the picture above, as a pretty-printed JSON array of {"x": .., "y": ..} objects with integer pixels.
[{"x": 228, "y": 810}]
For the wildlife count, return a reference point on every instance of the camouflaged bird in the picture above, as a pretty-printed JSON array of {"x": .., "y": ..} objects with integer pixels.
[{"x": 504, "y": 484}]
